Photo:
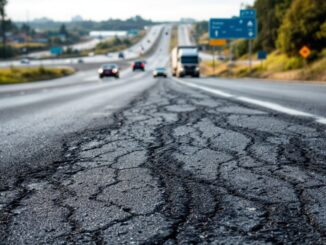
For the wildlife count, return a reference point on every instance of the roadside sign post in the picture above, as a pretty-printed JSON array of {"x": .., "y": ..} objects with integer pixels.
[
  {"x": 305, "y": 53},
  {"x": 244, "y": 27},
  {"x": 214, "y": 43},
  {"x": 261, "y": 55},
  {"x": 230, "y": 58},
  {"x": 250, "y": 55},
  {"x": 57, "y": 51},
  {"x": 249, "y": 14},
  {"x": 213, "y": 60}
]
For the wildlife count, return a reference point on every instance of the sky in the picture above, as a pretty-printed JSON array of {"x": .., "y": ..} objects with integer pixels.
[{"x": 22, "y": 10}]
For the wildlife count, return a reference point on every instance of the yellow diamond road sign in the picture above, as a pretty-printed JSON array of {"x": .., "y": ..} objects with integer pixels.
[{"x": 305, "y": 52}]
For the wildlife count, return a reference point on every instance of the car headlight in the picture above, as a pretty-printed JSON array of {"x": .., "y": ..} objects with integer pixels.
[
  {"x": 100, "y": 70},
  {"x": 115, "y": 70},
  {"x": 197, "y": 68}
]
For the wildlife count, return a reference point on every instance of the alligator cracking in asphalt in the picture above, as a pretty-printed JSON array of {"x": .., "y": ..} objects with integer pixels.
[{"x": 177, "y": 167}]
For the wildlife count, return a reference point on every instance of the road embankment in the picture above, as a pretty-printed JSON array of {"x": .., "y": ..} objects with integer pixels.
[
  {"x": 276, "y": 67},
  {"x": 15, "y": 75}
]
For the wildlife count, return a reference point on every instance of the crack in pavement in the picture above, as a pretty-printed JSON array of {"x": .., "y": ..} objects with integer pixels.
[{"x": 177, "y": 166}]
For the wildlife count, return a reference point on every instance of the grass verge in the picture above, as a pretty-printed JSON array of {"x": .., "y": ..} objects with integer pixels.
[
  {"x": 31, "y": 45},
  {"x": 276, "y": 67},
  {"x": 14, "y": 75}
]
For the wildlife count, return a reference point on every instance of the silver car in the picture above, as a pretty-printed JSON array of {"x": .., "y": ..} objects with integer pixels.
[{"x": 160, "y": 72}]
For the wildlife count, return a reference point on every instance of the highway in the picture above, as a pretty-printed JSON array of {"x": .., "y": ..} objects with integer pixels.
[
  {"x": 132, "y": 53},
  {"x": 86, "y": 45},
  {"x": 144, "y": 160}
]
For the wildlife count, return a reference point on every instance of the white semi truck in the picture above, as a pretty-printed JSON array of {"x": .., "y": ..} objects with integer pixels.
[{"x": 185, "y": 61}]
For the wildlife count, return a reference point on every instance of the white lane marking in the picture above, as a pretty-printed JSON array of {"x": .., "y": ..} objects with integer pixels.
[
  {"x": 214, "y": 91},
  {"x": 265, "y": 104},
  {"x": 275, "y": 107},
  {"x": 92, "y": 78},
  {"x": 321, "y": 120}
]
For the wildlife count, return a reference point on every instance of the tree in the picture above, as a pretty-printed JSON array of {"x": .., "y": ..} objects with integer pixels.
[
  {"x": 116, "y": 41},
  {"x": 3, "y": 4},
  {"x": 25, "y": 29},
  {"x": 304, "y": 24},
  {"x": 269, "y": 15},
  {"x": 63, "y": 30},
  {"x": 200, "y": 28}
]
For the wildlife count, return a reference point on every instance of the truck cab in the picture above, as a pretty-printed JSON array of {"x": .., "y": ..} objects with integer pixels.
[{"x": 185, "y": 61}]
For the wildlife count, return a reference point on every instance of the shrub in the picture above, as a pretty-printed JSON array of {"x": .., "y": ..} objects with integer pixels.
[{"x": 294, "y": 63}]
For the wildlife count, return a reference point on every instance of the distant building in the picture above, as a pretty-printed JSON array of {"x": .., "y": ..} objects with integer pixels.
[
  {"x": 61, "y": 37},
  {"x": 42, "y": 20},
  {"x": 187, "y": 20},
  {"x": 20, "y": 38},
  {"x": 105, "y": 34},
  {"x": 77, "y": 18},
  {"x": 41, "y": 40},
  {"x": 133, "y": 32}
]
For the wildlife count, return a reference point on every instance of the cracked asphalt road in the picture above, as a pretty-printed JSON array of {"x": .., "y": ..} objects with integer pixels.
[
  {"x": 151, "y": 161},
  {"x": 177, "y": 166}
]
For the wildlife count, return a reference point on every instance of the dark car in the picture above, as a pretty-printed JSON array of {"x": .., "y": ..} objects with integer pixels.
[
  {"x": 110, "y": 70},
  {"x": 121, "y": 55},
  {"x": 160, "y": 72},
  {"x": 138, "y": 65}
]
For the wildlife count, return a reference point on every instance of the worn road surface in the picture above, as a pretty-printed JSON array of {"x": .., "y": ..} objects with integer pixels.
[{"x": 152, "y": 161}]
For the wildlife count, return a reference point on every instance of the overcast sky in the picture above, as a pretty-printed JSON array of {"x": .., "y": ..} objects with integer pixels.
[{"x": 105, "y": 9}]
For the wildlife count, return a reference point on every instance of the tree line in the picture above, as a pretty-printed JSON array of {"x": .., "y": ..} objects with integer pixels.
[{"x": 288, "y": 25}]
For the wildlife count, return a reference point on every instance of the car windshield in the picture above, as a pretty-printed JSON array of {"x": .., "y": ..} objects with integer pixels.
[
  {"x": 160, "y": 69},
  {"x": 109, "y": 66}
]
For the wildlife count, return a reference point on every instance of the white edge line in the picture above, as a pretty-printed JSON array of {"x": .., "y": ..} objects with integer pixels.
[
  {"x": 269, "y": 105},
  {"x": 275, "y": 107},
  {"x": 213, "y": 91}
]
